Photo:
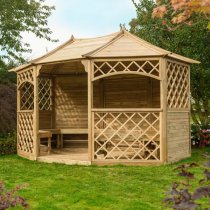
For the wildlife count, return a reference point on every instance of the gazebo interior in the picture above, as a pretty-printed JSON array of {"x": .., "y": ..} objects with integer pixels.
[{"x": 63, "y": 109}]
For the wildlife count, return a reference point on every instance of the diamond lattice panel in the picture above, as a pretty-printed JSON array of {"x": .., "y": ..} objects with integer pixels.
[
  {"x": 26, "y": 76},
  {"x": 26, "y": 96},
  {"x": 45, "y": 99},
  {"x": 178, "y": 85},
  {"x": 150, "y": 68},
  {"x": 128, "y": 136},
  {"x": 25, "y": 132}
]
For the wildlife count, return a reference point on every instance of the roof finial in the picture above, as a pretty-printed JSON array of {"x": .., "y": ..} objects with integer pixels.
[
  {"x": 72, "y": 37},
  {"x": 122, "y": 27}
]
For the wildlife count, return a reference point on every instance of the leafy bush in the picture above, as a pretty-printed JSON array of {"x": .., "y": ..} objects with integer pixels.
[
  {"x": 9, "y": 199},
  {"x": 200, "y": 137},
  {"x": 183, "y": 196},
  {"x": 7, "y": 107},
  {"x": 195, "y": 136},
  {"x": 8, "y": 144}
]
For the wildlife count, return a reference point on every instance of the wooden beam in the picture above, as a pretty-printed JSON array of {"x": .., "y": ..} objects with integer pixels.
[{"x": 127, "y": 110}]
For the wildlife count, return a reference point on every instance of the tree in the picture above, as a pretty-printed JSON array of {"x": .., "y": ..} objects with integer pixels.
[
  {"x": 182, "y": 11},
  {"x": 16, "y": 17},
  {"x": 193, "y": 42}
]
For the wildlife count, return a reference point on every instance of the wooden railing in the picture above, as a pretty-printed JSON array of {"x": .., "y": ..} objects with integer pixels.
[{"x": 126, "y": 134}]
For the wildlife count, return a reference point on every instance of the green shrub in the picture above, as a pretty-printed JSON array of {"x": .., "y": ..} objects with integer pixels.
[{"x": 8, "y": 144}]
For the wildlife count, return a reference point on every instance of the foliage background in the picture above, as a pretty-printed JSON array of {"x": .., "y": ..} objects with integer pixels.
[{"x": 192, "y": 41}]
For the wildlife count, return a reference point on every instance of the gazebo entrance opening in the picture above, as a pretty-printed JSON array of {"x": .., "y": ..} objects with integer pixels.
[
  {"x": 126, "y": 118},
  {"x": 125, "y": 114}
]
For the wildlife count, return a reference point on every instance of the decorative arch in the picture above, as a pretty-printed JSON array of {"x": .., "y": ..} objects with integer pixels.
[
  {"x": 148, "y": 68},
  {"x": 125, "y": 73},
  {"x": 26, "y": 93}
]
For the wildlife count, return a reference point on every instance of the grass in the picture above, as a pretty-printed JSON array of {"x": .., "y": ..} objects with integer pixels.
[{"x": 56, "y": 186}]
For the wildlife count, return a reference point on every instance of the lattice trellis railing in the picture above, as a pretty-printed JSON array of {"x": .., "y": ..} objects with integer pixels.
[
  {"x": 147, "y": 67},
  {"x": 178, "y": 85},
  {"x": 25, "y": 132},
  {"x": 126, "y": 136},
  {"x": 45, "y": 93}
]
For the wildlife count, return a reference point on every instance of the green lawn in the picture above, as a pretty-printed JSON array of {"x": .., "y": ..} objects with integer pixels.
[{"x": 56, "y": 186}]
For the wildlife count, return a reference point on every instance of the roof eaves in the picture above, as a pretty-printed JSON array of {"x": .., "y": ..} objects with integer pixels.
[
  {"x": 20, "y": 67},
  {"x": 183, "y": 58}
]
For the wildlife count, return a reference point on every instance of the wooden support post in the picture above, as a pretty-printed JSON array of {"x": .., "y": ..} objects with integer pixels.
[
  {"x": 88, "y": 68},
  {"x": 36, "y": 69},
  {"x": 49, "y": 145},
  {"x": 18, "y": 109},
  {"x": 163, "y": 114},
  {"x": 189, "y": 108}
]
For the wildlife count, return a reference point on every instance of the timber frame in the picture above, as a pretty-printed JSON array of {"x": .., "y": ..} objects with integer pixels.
[{"x": 131, "y": 99}]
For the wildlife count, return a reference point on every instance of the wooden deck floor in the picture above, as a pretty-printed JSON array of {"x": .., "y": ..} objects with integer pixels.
[{"x": 69, "y": 156}]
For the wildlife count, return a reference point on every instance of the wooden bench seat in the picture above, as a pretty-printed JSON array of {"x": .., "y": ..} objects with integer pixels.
[{"x": 47, "y": 133}]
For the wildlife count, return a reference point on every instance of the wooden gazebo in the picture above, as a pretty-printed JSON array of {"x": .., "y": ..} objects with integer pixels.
[{"x": 105, "y": 100}]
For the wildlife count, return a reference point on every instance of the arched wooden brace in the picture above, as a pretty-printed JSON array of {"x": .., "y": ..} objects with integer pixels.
[{"x": 125, "y": 73}]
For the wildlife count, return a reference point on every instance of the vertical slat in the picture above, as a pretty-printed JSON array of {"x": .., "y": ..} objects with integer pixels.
[{"x": 163, "y": 114}]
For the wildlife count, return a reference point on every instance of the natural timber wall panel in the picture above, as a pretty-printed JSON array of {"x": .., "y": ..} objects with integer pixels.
[
  {"x": 71, "y": 101},
  {"x": 98, "y": 93},
  {"x": 126, "y": 136},
  {"x": 178, "y": 130},
  {"x": 127, "y": 91},
  {"x": 178, "y": 85},
  {"x": 155, "y": 86},
  {"x": 45, "y": 119}
]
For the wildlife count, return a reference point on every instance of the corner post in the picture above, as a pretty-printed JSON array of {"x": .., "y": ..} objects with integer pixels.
[
  {"x": 163, "y": 114},
  {"x": 36, "y": 70},
  {"x": 88, "y": 68},
  {"x": 189, "y": 108}
]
